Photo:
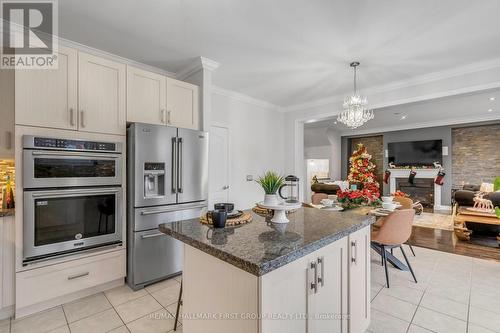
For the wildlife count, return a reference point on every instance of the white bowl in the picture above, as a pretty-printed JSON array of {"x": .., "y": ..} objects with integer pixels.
[
  {"x": 327, "y": 202},
  {"x": 333, "y": 197},
  {"x": 389, "y": 205},
  {"x": 387, "y": 199}
]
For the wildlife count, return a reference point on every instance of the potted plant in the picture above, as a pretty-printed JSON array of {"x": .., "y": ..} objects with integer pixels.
[{"x": 271, "y": 182}]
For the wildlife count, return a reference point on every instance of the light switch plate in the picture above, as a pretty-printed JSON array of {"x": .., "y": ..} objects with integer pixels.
[
  {"x": 445, "y": 150},
  {"x": 249, "y": 178}
]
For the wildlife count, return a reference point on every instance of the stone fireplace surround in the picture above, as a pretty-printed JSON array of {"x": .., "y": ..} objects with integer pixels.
[{"x": 421, "y": 173}]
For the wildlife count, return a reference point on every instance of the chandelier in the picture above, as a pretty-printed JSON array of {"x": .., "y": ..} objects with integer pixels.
[{"x": 355, "y": 111}]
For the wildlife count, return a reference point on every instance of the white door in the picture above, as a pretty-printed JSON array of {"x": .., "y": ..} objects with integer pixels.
[
  {"x": 218, "y": 165},
  {"x": 101, "y": 95},
  {"x": 146, "y": 97},
  {"x": 48, "y": 98},
  {"x": 182, "y": 104}
]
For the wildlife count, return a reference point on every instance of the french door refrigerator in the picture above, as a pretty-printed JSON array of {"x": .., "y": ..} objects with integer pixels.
[{"x": 167, "y": 180}]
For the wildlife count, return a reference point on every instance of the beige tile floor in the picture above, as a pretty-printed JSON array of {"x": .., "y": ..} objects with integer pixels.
[
  {"x": 120, "y": 310},
  {"x": 454, "y": 294}
]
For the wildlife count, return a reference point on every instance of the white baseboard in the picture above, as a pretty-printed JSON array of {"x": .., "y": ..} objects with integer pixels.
[
  {"x": 442, "y": 207},
  {"x": 22, "y": 312}
]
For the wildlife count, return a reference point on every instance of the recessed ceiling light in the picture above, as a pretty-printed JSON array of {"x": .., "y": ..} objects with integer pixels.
[
  {"x": 490, "y": 110},
  {"x": 492, "y": 98},
  {"x": 403, "y": 117}
]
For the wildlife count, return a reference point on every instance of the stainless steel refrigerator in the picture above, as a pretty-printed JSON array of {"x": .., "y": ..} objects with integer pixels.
[{"x": 167, "y": 180}]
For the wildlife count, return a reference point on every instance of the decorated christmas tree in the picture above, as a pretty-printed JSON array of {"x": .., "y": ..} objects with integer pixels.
[{"x": 362, "y": 173}]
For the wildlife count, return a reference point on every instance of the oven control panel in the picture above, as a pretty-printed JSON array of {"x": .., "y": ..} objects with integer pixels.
[{"x": 65, "y": 144}]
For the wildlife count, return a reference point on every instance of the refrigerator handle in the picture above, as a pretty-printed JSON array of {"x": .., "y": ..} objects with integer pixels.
[
  {"x": 179, "y": 167},
  {"x": 174, "y": 165}
]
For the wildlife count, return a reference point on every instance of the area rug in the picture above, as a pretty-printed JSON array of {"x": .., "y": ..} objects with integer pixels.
[{"x": 433, "y": 220}]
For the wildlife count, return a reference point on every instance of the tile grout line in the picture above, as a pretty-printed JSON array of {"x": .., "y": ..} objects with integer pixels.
[
  {"x": 470, "y": 296},
  {"x": 113, "y": 307},
  {"x": 66, "y": 318}
]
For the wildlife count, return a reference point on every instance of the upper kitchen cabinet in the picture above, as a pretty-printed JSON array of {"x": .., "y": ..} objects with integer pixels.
[
  {"x": 146, "y": 97},
  {"x": 7, "y": 113},
  {"x": 101, "y": 95},
  {"x": 48, "y": 98},
  {"x": 182, "y": 104}
]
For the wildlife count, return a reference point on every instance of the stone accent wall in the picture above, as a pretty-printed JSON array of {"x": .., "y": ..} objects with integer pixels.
[
  {"x": 475, "y": 154},
  {"x": 375, "y": 147}
]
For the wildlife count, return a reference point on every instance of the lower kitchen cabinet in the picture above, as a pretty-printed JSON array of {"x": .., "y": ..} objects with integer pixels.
[{"x": 7, "y": 258}]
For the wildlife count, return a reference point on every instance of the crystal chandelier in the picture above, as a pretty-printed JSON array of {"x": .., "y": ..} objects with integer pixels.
[{"x": 355, "y": 111}]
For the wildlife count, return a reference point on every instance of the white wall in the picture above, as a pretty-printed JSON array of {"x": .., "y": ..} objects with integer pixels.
[{"x": 256, "y": 143}]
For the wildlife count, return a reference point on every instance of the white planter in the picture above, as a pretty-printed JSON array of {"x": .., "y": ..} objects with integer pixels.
[{"x": 271, "y": 199}]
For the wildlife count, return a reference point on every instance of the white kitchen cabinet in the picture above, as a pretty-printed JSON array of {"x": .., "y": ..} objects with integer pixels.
[
  {"x": 7, "y": 113},
  {"x": 7, "y": 258},
  {"x": 48, "y": 98},
  {"x": 146, "y": 97},
  {"x": 359, "y": 280},
  {"x": 182, "y": 104},
  {"x": 101, "y": 95}
]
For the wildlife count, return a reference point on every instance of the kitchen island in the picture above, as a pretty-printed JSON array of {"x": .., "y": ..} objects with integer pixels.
[{"x": 309, "y": 275}]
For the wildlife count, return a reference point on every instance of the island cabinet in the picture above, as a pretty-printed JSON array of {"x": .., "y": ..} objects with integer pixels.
[
  {"x": 326, "y": 291},
  {"x": 156, "y": 99}
]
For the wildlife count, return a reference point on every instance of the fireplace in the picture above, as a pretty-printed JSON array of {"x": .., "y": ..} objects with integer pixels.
[{"x": 421, "y": 190}]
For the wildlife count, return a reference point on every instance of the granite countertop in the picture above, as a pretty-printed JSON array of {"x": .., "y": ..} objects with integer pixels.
[
  {"x": 7, "y": 212},
  {"x": 261, "y": 246}
]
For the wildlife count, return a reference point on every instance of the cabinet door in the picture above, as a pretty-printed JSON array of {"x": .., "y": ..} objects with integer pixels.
[
  {"x": 8, "y": 260},
  {"x": 7, "y": 113},
  {"x": 101, "y": 93},
  {"x": 182, "y": 104},
  {"x": 48, "y": 98},
  {"x": 359, "y": 280},
  {"x": 146, "y": 97},
  {"x": 328, "y": 306}
]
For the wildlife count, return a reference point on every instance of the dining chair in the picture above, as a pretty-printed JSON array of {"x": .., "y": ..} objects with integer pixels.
[
  {"x": 406, "y": 203},
  {"x": 394, "y": 232},
  {"x": 317, "y": 197}
]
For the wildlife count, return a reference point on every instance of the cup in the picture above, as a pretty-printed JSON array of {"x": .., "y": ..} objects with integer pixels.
[
  {"x": 219, "y": 217},
  {"x": 327, "y": 202},
  {"x": 387, "y": 199}
]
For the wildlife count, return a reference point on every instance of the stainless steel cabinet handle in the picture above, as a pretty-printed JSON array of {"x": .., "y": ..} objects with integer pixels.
[
  {"x": 314, "y": 284},
  {"x": 152, "y": 235},
  {"x": 166, "y": 210},
  {"x": 73, "y": 193},
  {"x": 72, "y": 117},
  {"x": 162, "y": 116},
  {"x": 72, "y": 277},
  {"x": 74, "y": 154},
  {"x": 225, "y": 187},
  {"x": 8, "y": 140},
  {"x": 174, "y": 165},
  {"x": 354, "y": 252},
  {"x": 321, "y": 278},
  {"x": 169, "y": 116},
  {"x": 179, "y": 169},
  {"x": 82, "y": 118}
]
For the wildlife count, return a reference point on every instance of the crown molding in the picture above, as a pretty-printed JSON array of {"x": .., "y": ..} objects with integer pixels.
[
  {"x": 245, "y": 99},
  {"x": 114, "y": 57},
  {"x": 196, "y": 65},
  {"x": 411, "y": 82},
  {"x": 427, "y": 124}
]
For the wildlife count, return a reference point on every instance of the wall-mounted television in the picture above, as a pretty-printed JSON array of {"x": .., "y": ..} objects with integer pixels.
[{"x": 416, "y": 153}]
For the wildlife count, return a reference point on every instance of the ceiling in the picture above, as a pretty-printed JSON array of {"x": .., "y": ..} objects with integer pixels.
[
  {"x": 289, "y": 52},
  {"x": 453, "y": 110}
]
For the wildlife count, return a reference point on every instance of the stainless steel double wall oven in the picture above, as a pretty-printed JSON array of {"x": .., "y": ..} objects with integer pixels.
[{"x": 72, "y": 196}]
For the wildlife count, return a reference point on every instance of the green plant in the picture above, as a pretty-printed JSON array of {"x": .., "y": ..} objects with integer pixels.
[{"x": 270, "y": 182}]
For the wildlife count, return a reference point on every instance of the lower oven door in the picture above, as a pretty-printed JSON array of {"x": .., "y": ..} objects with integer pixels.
[{"x": 63, "y": 221}]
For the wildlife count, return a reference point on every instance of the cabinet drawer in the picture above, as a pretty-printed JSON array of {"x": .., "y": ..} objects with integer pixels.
[{"x": 46, "y": 283}]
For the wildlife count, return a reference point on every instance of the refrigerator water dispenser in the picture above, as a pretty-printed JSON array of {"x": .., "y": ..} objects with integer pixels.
[{"x": 154, "y": 180}]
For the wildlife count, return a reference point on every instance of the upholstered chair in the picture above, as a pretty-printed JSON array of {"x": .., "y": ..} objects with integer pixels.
[
  {"x": 317, "y": 197},
  {"x": 395, "y": 231}
]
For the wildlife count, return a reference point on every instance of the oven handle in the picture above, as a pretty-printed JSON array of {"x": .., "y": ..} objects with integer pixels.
[
  {"x": 173, "y": 209},
  {"x": 71, "y": 193},
  {"x": 74, "y": 154}
]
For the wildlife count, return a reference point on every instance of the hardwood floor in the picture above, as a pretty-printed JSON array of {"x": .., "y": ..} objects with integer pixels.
[{"x": 445, "y": 240}]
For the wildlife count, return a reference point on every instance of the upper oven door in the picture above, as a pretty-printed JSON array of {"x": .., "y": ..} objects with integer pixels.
[{"x": 55, "y": 168}]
